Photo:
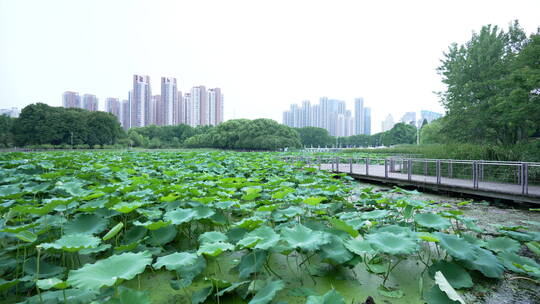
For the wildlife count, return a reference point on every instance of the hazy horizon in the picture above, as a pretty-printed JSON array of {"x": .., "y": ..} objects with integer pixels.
[{"x": 264, "y": 56}]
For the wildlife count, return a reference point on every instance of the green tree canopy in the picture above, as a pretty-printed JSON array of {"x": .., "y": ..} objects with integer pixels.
[{"x": 314, "y": 137}]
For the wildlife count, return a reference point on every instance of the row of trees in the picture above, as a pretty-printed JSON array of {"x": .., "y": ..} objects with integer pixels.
[
  {"x": 40, "y": 124},
  {"x": 401, "y": 133},
  {"x": 493, "y": 88},
  {"x": 46, "y": 126}
]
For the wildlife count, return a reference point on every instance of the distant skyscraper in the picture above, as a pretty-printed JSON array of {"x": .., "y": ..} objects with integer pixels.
[
  {"x": 367, "y": 121},
  {"x": 11, "y": 112},
  {"x": 113, "y": 106},
  {"x": 90, "y": 102},
  {"x": 359, "y": 123},
  {"x": 215, "y": 106},
  {"x": 199, "y": 106},
  {"x": 388, "y": 123},
  {"x": 429, "y": 116},
  {"x": 409, "y": 118},
  {"x": 71, "y": 100},
  {"x": 188, "y": 110},
  {"x": 126, "y": 114},
  {"x": 305, "y": 114},
  {"x": 141, "y": 102},
  {"x": 159, "y": 111},
  {"x": 169, "y": 97}
]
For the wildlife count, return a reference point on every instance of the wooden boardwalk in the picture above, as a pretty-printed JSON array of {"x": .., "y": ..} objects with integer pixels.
[{"x": 506, "y": 191}]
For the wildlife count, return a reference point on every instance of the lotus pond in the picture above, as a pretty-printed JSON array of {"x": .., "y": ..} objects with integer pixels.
[{"x": 226, "y": 227}]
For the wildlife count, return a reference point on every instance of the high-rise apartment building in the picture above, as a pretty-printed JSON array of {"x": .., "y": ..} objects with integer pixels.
[
  {"x": 90, "y": 102},
  {"x": 11, "y": 112},
  {"x": 141, "y": 102},
  {"x": 159, "y": 115},
  {"x": 359, "y": 115},
  {"x": 329, "y": 114},
  {"x": 126, "y": 113},
  {"x": 409, "y": 118},
  {"x": 215, "y": 106},
  {"x": 113, "y": 106},
  {"x": 169, "y": 97},
  {"x": 388, "y": 123},
  {"x": 188, "y": 110},
  {"x": 429, "y": 116},
  {"x": 367, "y": 121},
  {"x": 71, "y": 100}
]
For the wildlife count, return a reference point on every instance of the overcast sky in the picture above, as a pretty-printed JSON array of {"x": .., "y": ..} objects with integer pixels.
[{"x": 264, "y": 55}]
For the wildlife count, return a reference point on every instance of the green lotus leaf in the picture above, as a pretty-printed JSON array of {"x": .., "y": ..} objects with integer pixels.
[
  {"x": 26, "y": 236},
  {"x": 176, "y": 260},
  {"x": 456, "y": 275},
  {"x": 343, "y": 226},
  {"x": 251, "y": 263},
  {"x": 4, "y": 285},
  {"x": 212, "y": 237},
  {"x": 315, "y": 200},
  {"x": 263, "y": 238},
  {"x": 97, "y": 249},
  {"x": 426, "y": 236},
  {"x": 47, "y": 284},
  {"x": 375, "y": 214},
  {"x": 392, "y": 244},
  {"x": 251, "y": 193},
  {"x": 335, "y": 251},
  {"x": 203, "y": 212},
  {"x": 520, "y": 236},
  {"x": 114, "y": 231},
  {"x": 331, "y": 297},
  {"x": 70, "y": 295},
  {"x": 127, "y": 207},
  {"x": 231, "y": 288},
  {"x": 436, "y": 296},
  {"x": 360, "y": 247},
  {"x": 162, "y": 236},
  {"x": 432, "y": 220},
  {"x": 86, "y": 223},
  {"x": 397, "y": 230},
  {"x": 46, "y": 270},
  {"x": 304, "y": 238},
  {"x": 214, "y": 249},
  {"x": 445, "y": 286},
  {"x": 134, "y": 234},
  {"x": 534, "y": 247},
  {"x": 73, "y": 242},
  {"x": 516, "y": 262},
  {"x": 267, "y": 293},
  {"x": 131, "y": 296},
  {"x": 189, "y": 272},
  {"x": 500, "y": 244},
  {"x": 180, "y": 216},
  {"x": 485, "y": 262},
  {"x": 201, "y": 295},
  {"x": 389, "y": 292},
  {"x": 74, "y": 188},
  {"x": 153, "y": 225},
  {"x": 249, "y": 223},
  {"x": 106, "y": 272},
  {"x": 456, "y": 246}
]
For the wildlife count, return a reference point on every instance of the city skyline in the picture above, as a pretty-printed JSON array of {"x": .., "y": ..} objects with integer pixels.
[
  {"x": 334, "y": 50},
  {"x": 199, "y": 107}
]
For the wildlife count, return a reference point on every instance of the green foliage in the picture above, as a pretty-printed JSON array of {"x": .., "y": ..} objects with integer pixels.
[
  {"x": 314, "y": 137},
  {"x": 6, "y": 135},
  {"x": 492, "y": 87},
  {"x": 41, "y": 124}
]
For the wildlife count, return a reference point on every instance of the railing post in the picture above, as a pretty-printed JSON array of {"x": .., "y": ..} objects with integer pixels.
[
  {"x": 385, "y": 168},
  {"x": 350, "y": 165},
  {"x": 524, "y": 178},
  {"x": 481, "y": 171},
  {"x": 337, "y": 163},
  {"x": 438, "y": 169},
  {"x": 332, "y": 162},
  {"x": 450, "y": 169},
  {"x": 409, "y": 169},
  {"x": 425, "y": 167},
  {"x": 367, "y": 165},
  {"x": 475, "y": 175}
]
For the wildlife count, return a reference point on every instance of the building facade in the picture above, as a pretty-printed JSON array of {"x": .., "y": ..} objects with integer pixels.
[
  {"x": 90, "y": 102},
  {"x": 141, "y": 102},
  {"x": 71, "y": 99}
]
